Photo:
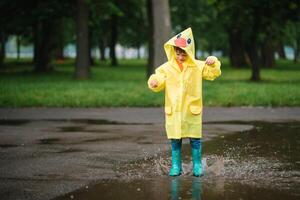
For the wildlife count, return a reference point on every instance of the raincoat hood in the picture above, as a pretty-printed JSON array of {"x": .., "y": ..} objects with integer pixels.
[{"x": 185, "y": 41}]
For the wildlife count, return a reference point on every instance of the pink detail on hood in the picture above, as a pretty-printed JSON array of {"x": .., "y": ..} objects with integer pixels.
[{"x": 180, "y": 42}]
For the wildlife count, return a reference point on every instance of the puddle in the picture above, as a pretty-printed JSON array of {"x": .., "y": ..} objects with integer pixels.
[
  {"x": 106, "y": 139},
  {"x": 49, "y": 140},
  {"x": 263, "y": 163},
  {"x": 72, "y": 128},
  {"x": 7, "y": 145},
  {"x": 13, "y": 122},
  {"x": 175, "y": 188},
  {"x": 19, "y": 122},
  {"x": 69, "y": 150},
  {"x": 107, "y": 122}
]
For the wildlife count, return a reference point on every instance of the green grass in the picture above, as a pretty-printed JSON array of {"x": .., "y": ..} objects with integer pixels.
[{"x": 126, "y": 86}]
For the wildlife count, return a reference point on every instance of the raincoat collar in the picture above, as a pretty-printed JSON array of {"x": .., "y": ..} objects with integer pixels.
[{"x": 185, "y": 41}]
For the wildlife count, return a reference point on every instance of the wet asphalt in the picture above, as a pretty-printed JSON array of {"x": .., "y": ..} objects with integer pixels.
[{"x": 48, "y": 152}]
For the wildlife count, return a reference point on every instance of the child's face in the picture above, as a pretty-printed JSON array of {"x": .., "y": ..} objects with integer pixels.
[{"x": 181, "y": 56}]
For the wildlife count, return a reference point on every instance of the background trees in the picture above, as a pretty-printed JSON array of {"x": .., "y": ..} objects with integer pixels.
[
  {"x": 255, "y": 30},
  {"x": 250, "y": 33}
]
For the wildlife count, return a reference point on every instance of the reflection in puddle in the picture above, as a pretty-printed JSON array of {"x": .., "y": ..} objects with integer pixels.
[
  {"x": 262, "y": 163},
  {"x": 176, "y": 188}
]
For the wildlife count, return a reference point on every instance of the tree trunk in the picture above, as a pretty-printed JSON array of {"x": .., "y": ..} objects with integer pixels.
[
  {"x": 255, "y": 65},
  {"x": 2, "y": 49},
  {"x": 59, "y": 52},
  {"x": 252, "y": 48},
  {"x": 82, "y": 50},
  {"x": 18, "y": 41},
  {"x": 91, "y": 59},
  {"x": 161, "y": 30},
  {"x": 59, "y": 49},
  {"x": 150, "y": 64},
  {"x": 102, "y": 45},
  {"x": 296, "y": 54},
  {"x": 268, "y": 54},
  {"x": 252, "y": 51},
  {"x": 280, "y": 50},
  {"x": 138, "y": 51},
  {"x": 36, "y": 40},
  {"x": 45, "y": 45},
  {"x": 124, "y": 49},
  {"x": 236, "y": 49},
  {"x": 297, "y": 49},
  {"x": 113, "y": 40}
]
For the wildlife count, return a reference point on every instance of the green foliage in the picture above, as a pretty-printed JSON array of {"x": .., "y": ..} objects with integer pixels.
[
  {"x": 263, "y": 18},
  {"x": 131, "y": 21},
  {"x": 292, "y": 37},
  {"x": 21, "y": 15},
  {"x": 203, "y": 17},
  {"x": 133, "y": 25}
]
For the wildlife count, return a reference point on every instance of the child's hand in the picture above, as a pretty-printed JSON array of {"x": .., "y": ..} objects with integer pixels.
[
  {"x": 210, "y": 60},
  {"x": 153, "y": 83}
]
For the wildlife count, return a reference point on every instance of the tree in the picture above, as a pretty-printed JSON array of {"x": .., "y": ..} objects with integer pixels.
[
  {"x": 98, "y": 24},
  {"x": 65, "y": 35},
  {"x": 11, "y": 25},
  {"x": 292, "y": 38},
  {"x": 133, "y": 25},
  {"x": 2, "y": 48},
  {"x": 82, "y": 70},
  {"x": 113, "y": 39},
  {"x": 44, "y": 45},
  {"x": 280, "y": 49},
  {"x": 259, "y": 24},
  {"x": 45, "y": 17},
  {"x": 160, "y": 31},
  {"x": 203, "y": 17},
  {"x": 105, "y": 19},
  {"x": 37, "y": 22}
]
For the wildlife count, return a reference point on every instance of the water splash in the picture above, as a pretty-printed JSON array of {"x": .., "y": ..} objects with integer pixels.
[{"x": 160, "y": 166}]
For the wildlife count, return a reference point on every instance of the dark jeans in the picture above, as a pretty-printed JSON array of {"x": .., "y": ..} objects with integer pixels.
[{"x": 195, "y": 143}]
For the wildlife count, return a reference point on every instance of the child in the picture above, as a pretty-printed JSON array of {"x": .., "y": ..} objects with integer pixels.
[{"x": 181, "y": 78}]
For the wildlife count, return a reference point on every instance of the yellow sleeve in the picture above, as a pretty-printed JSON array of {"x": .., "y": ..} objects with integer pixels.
[
  {"x": 210, "y": 72},
  {"x": 160, "y": 77}
]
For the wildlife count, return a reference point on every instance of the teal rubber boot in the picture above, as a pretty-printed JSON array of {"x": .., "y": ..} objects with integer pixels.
[
  {"x": 197, "y": 162},
  {"x": 176, "y": 168}
]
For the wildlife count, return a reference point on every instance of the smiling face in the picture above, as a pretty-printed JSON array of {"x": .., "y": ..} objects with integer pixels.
[{"x": 181, "y": 55}]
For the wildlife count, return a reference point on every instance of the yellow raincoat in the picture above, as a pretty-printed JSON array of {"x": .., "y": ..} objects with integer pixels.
[{"x": 183, "y": 89}]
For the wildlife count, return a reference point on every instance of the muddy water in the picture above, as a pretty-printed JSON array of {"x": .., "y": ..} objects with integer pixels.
[{"x": 263, "y": 163}]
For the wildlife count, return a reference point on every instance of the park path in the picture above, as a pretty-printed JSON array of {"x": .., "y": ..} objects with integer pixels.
[
  {"x": 47, "y": 152},
  {"x": 152, "y": 115}
]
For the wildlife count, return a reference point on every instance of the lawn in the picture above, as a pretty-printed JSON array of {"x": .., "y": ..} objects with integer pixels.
[{"x": 125, "y": 85}]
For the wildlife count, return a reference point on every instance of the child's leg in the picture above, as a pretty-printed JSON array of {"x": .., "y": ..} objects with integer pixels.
[
  {"x": 176, "y": 144},
  {"x": 176, "y": 157},
  {"x": 196, "y": 147}
]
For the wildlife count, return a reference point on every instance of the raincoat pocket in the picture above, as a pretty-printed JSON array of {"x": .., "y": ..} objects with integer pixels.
[
  {"x": 196, "y": 110},
  {"x": 168, "y": 110}
]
